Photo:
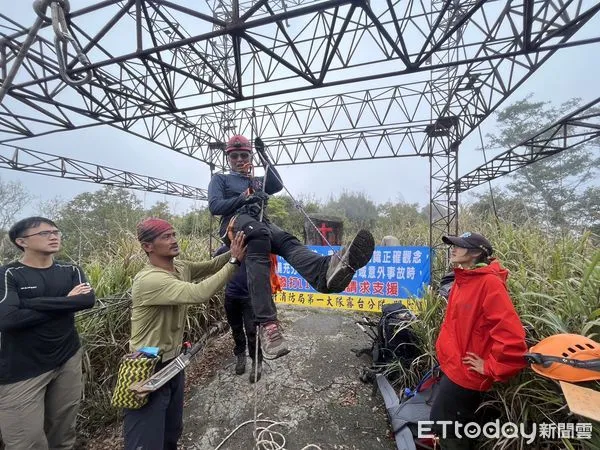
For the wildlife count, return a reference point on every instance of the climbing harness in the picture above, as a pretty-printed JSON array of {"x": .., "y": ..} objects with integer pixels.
[
  {"x": 269, "y": 168},
  {"x": 62, "y": 38}
]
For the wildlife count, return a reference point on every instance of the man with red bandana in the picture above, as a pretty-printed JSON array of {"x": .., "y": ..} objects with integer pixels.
[
  {"x": 241, "y": 199},
  {"x": 161, "y": 294}
]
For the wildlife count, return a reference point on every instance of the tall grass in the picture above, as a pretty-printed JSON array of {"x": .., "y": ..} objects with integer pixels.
[{"x": 554, "y": 282}]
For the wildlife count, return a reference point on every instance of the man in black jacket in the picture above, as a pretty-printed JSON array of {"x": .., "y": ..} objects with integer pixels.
[{"x": 40, "y": 354}]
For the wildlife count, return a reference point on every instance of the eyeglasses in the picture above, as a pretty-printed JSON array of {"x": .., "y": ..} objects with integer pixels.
[
  {"x": 45, "y": 234},
  {"x": 240, "y": 155}
]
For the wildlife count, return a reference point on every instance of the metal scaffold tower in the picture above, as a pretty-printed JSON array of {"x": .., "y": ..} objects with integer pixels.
[{"x": 319, "y": 81}]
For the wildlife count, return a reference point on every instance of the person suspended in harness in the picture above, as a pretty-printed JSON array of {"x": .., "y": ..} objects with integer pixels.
[{"x": 241, "y": 199}]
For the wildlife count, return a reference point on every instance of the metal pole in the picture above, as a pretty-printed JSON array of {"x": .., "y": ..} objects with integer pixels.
[{"x": 20, "y": 57}]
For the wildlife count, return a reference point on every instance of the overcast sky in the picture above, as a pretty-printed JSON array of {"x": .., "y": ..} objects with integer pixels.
[{"x": 572, "y": 72}]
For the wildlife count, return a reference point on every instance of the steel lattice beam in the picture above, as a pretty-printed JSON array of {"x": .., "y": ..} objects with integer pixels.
[
  {"x": 576, "y": 128},
  {"x": 153, "y": 90},
  {"x": 31, "y": 161},
  {"x": 244, "y": 69}
]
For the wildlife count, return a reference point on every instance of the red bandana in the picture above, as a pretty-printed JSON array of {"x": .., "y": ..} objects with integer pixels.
[{"x": 149, "y": 229}]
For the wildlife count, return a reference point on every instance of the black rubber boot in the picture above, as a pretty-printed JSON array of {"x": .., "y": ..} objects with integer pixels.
[
  {"x": 255, "y": 371},
  {"x": 240, "y": 365}
]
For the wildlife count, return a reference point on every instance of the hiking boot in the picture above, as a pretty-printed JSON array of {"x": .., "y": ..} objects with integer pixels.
[
  {"x": 344, "y": 264},
  {"x": 240, "y": 364},
  {"x": 271, "y": 340},
  {"x": 256, "y": 370}
]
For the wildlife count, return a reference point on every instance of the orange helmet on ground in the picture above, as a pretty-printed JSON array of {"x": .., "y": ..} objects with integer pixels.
[
  {"x": 566, "y": 357},
  {"x": 238, "y": 143}
]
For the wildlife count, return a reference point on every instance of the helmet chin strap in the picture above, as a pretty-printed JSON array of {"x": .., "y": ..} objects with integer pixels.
[{"x": 246, "y": 169}]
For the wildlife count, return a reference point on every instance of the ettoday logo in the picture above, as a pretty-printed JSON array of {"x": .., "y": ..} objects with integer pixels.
[{"x": 509, "y": 430}]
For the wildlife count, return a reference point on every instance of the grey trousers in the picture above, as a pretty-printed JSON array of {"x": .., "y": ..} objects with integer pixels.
[{"x": 40, "y": 413}]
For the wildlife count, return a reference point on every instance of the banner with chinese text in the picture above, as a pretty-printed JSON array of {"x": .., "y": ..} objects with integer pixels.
[{"x": 393, "y": 274}]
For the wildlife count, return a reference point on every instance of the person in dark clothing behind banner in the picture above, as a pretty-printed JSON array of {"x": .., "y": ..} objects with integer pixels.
[
  {"x": 240, "y": 316},
  {"x": 240, "y": 199},
  {"x": 40, "y": 354},
  {"x": 481, "y": 339}
]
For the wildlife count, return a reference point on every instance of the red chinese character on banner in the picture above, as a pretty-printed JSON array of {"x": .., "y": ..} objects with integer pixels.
[
  {"x": 283, "y": 282},
  {"x": 378, "y": 287},
  {"x": 352, "y": 287},
  {"x": 365, "y": 287},
  {"x": 391, "y": 288}
]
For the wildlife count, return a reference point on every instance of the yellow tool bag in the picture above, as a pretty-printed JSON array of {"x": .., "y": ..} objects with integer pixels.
[{"x": 135, "y": 367}]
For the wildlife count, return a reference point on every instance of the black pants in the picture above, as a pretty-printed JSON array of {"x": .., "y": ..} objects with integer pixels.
[
  {"x": 457, "y": 404},
  {"x": 159, "y": 423},
  {"x": 264, "y": 238},
  {"x": 240, "y": 317}
]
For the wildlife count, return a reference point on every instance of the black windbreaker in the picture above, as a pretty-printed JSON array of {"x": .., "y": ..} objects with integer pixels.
[{"x": 37, "y": 323}]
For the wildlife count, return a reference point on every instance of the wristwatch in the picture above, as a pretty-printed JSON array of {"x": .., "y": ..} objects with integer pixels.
[{"x": 234, "y": 260}]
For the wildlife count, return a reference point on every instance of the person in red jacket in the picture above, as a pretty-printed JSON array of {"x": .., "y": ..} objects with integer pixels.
[{"x": 481, "y": 339}]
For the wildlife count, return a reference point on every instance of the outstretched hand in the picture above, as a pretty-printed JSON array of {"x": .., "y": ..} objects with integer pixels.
[{"x": 238, "y": 247}]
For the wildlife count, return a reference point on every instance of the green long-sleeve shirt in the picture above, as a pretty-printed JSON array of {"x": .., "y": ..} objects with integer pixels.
[{"x": 160, "y": 300}]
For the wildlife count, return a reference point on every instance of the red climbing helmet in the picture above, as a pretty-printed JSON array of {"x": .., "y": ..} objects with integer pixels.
[
  {"x": 238, "y": 143},
  {"x": 566, "y": 357}
]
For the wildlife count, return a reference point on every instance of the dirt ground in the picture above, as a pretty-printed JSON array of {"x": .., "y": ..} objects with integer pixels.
[{"x": 314, "y": 392}]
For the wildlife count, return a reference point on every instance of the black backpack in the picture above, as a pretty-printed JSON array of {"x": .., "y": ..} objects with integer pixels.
[{"x": 395, "y": 339}]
